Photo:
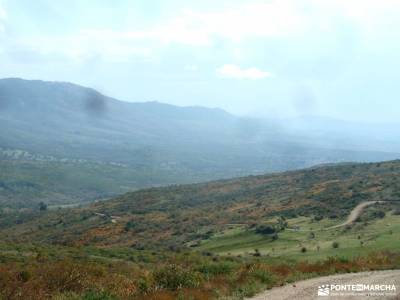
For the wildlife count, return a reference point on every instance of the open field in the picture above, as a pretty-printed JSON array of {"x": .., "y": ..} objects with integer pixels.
[{"x": 380, "y": 234}]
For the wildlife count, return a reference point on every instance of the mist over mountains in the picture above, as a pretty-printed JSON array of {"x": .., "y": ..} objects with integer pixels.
[{"x": 163, "y": 144}]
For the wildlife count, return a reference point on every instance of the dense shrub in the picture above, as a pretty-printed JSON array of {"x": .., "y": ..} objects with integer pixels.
[
  {"x": 175, "y": 277},
  {"x": 263, "y": 275},
  {"x": 218, "y": 268},
  {"x": 318, "y": 218},
  {"x": 265, "y": 229},
  {"x": 379, "y": 214},
  {"x": 91, "y": 295},
  {"x": 189, "y": 276}
]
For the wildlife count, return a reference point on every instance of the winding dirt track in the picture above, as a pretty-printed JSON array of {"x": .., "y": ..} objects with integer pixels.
[
  {"x": 355, "y": 213},
  {"x": 308, "y": 289}
]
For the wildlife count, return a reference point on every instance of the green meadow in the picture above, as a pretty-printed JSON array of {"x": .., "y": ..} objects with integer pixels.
[{"x": 312, "y": 241}]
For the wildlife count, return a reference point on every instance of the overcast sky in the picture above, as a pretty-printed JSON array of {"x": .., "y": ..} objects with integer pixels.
[{"x": 337, "y": 58}]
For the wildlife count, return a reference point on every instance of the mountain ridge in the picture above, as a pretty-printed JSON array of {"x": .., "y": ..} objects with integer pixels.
[{"x": 156, "y": 143}]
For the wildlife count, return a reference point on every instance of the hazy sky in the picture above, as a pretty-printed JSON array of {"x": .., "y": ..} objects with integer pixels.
[{"x": 336, "y": 58}]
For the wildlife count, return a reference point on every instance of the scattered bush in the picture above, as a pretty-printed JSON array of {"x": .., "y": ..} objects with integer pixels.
[
  {"x": 318, "y": 218},
  {"x": 92, "y": 295},
  {"x": 190, "y": 274},
  {"x": 396, "y": 212},
  {"x": 379, "y": 214},
  {"x": 130, "y": 225},
  {"x": 263, "y": 275},
  {"x": 212, "y": 269},
  {"x": 265, "y": 229},
  {"x": 257, "y": 253},
  {"x": 174, "y": 277}
]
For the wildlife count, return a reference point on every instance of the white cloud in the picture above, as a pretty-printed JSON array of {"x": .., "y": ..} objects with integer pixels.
[
  {"x": 236, "y": 72},
  {"x": 257, "y": 19},
  {"x": 189, "y": 28},
  {"x": 253, "y": 20},
  {"x": 84, "y": 46},
  {"x": 235, "y": 24},
  {"x": 260, "y": 19}
]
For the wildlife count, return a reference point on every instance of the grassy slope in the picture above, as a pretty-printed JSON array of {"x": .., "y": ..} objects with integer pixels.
[
  {"x": 37, "y": 272},
  {"x": 173, "y": 216},
  {"x": 73, "y": 253},
  {"x": 380, "y": 234},
  {"x": 42, "y": 271}
]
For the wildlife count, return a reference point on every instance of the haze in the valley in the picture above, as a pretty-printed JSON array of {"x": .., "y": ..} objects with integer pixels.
[{"x": 130, "y": 94}]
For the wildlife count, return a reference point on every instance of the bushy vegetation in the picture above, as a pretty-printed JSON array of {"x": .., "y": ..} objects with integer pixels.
[
  {"x": 163, "y": 243},
  {"x": 177, "y": 216},
  {"x": 26, "y": 183},
  {"x": 48, "y": 272},
  {"x": 266, "y": 229}
]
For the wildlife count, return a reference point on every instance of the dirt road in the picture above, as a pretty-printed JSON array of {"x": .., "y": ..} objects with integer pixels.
[
  {"x": 355, "y": 213},
  {"x": 308, "y": 289}
]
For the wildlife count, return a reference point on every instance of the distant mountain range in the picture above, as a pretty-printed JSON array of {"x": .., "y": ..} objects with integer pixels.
[{"x": 160, "y": 143}]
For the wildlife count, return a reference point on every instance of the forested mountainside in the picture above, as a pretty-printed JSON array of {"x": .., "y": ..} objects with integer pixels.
[{"x": 93, "y": 146}]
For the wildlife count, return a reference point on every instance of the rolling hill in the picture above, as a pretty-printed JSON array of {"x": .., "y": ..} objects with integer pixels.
[
  {"x": 180, "y": 215},
  {"x": 93, "y": 146},
  {"x": 228, "y": 238}
]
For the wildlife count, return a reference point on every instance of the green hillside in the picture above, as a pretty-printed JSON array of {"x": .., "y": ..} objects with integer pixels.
[
  {"x": 218, "y": 240},
  {"x": 24, "y": 183},
  {"x": 178, "y": 215}
]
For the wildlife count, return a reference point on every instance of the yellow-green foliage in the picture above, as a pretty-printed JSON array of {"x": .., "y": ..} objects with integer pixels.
[{"x": 69, "y": 274}]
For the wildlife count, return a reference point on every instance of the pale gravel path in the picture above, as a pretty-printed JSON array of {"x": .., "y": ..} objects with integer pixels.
[
  {"x": 354, "y": 214},
  {"x": 307, "y": 289}
]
